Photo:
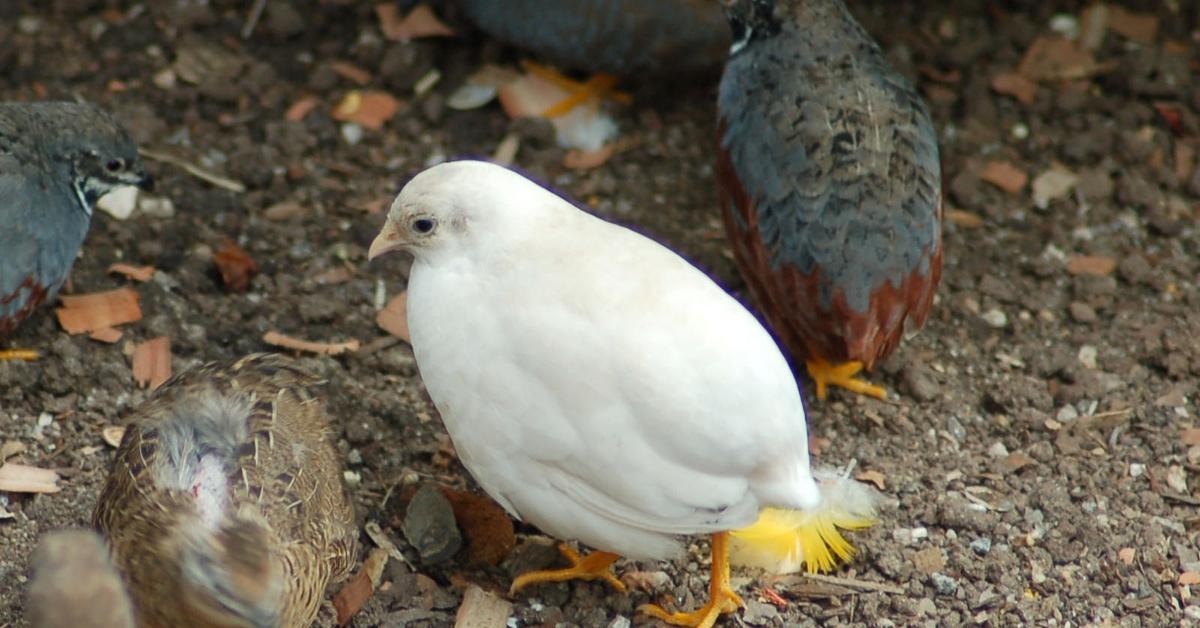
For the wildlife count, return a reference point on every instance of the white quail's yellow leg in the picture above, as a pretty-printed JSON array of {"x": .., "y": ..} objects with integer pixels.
[
  {"x": 594, "y": 566},
  {"x": 825, "y": 374},
  {"x": 721, "y": 597},
  {"x": 598, "y": 87}
]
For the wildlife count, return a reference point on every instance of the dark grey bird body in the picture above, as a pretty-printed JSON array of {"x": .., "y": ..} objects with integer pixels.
[
  {"x": 658, "y": 38},
  {"x": 56, "y": 160},
  {"x": 831, "y": 180}
]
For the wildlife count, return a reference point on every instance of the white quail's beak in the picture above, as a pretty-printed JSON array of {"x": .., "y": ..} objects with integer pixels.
[{"x": 389, "y": 239}]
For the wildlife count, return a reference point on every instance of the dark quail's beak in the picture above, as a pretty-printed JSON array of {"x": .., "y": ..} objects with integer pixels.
[{"x": 146, "y": 182}]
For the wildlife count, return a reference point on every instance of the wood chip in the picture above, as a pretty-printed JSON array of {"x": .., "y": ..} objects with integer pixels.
[
  {"x": 89, "y": 312},
  {"x": 136, "y": 273},
  {"x": 506, "y": 150},
  {"x": 1126, "y": 554},
  {"x": 1004, "y": 175},
  {"x": 108, "y": 335},
  {"x": 301, "y": 108},
  {"x": 152, "y": 362},
  {"x": 359, "y": 588},
  {"x": 1016, "y": 461},
  {"x": 486, "y": 527},
  {"x": 1015, "y": 85},
  {"x": 1098, "y": 265},
  {"x": 20, "y": 478},
  {"x": 874, "y": 477},
  {"x": 420, "y": 22},
  {"x": 1189, "y": 577},
  {"x": 112, "y": 435},
  {"x": 368, "y": 108},
  {"x": 334, "y": 276},
  {"x": 576, "y": 159},
  {"x": 963, "y": 218},
  {"x": 235, "y": 266},
  {"x": 1190, "y": 436},
  {"x": 277, "y": 339},
  {"x": 481, "y": 609},
  {"x": 394, "y": 319},
  {"x": 351, "y": 72},
  {"x": 11, "y": 448}
]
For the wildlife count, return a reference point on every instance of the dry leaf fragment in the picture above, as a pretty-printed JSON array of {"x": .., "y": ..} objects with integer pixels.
[
  {"x": 112, "y": 435},
  {"x": 108, "y": 335},
  {"x": 21, "y": 478},
  {"x": 136, "y": 273},
  {"x": 89, "y": 312},
  {"x": 1053, "y": 184},
  {"x": 420, "y": 22},
  {"x": 368, "y": 108},
  {"x": 235, "y": 265},
  {"x": 481, "y": 609},
  {"x": 351, "y": 72},
  {"x": 1016, "y": 461},
  {"x": 394, "y": 318},
  {"x": 1098, "y": 265},
  {"x": 1190, "y": 436},
  {"x": 486, "y": 528},
  {"x": 1189, "y": 577},
  {"x": 1140, "y": 27},
  {"x": 872, "y": 476},
  {"x": 334, "y": 276},
  {"x": 1126, "y": 554},
  {"x": 358, "y": 589},
  {"x": 1056, "y": 59},
  {"x": 1004, "y": 175},
  {"x": 277, "y": 339},
  {"x": 1015, "y": 85},
  {"x": 152, "y": 362},
  {"x": 301, "y": 108}
]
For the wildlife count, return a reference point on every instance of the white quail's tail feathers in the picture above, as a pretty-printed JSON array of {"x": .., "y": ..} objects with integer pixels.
[{"x": 782, "y": 540}]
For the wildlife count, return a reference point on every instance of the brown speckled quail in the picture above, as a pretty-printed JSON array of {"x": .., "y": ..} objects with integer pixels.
[
  {"x": 225, "y": 504},
  {"x": 74, "y": 584}
]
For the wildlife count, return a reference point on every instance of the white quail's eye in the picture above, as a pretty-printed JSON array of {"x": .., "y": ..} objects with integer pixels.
[{"x": 423, "y": 225}]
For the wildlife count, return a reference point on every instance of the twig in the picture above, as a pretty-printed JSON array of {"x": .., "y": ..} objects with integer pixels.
[
  {"x": 194, "y": 170},
  {"x": 252, "y": 19},
  {"x": 377, "y": 536},
  {"x": 865, "y": 585}
]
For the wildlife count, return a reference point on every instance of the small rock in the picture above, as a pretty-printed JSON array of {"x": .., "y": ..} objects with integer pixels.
[
  {"x": 930, "y": 560},
  {"x": 1087, "y": 356},
  {"x": 926, "y": 607},
  {"x": 759, "y": 613},
  {"x": 620, "y": 621},
  {"x": 981, "y": 546},
  {"x": 1082, "y": 312},
  {"x": 283, "y": 20},
  {"x": 919, "y": 382},
  {"x": 1095, "y": 185},
  {"x": 430, "y": 527},
  {"x": 909, "y": 536},
  {"x": 998, "y": 450},
  {"x": 943, "y": 584},
  {"x": 995, "y": 318}
]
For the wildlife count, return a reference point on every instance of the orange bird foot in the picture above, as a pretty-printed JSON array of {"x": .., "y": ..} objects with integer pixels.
[
  {"x": 18, "y": 354},
  {"x": 598, "y": 87},
  {"x": 721, "y": 597},
  {"x": 842, "y": 375},
  {"x": 594, "y": 566}
]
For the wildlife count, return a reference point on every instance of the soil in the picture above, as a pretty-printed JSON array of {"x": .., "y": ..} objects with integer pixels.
[{"x": 1035, "y": 449}]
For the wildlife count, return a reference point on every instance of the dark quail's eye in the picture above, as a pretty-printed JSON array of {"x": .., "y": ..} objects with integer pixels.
[
  {"x": 422, "y": 225},
  {"x": 115, "y": 165}
]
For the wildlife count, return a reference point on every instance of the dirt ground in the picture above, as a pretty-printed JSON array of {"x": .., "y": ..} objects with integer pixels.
[{"x": 1039, "y": 448}]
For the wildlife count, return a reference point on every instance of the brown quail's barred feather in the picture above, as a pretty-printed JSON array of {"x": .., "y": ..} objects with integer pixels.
[
  {"x": 74, "y": 584},
  {"x": 282, "y": 532}
]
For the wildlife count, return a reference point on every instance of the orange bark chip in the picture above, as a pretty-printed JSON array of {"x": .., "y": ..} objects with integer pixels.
[
  {"x": 88, "y": 312},
  {"x": 152, "y": 362},
  {"x": 136, "y": 273},
  {"x": 420, "y": 22},
  {"x": 20, "y": 478},
  {"x": 394, "y": 317},
  {"x": 325, "y": 348}
]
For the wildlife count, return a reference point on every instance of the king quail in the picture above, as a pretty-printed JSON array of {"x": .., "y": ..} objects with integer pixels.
[
  {"x": 56, "y": 160},
  {"x": 225, "y": 504},
  {"x": 830, "y": 185}
]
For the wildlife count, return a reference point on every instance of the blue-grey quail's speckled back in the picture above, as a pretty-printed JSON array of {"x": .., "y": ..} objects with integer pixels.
[
  {"x": 626, "y": 37},
  {"x": 836, "y": 150}
]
